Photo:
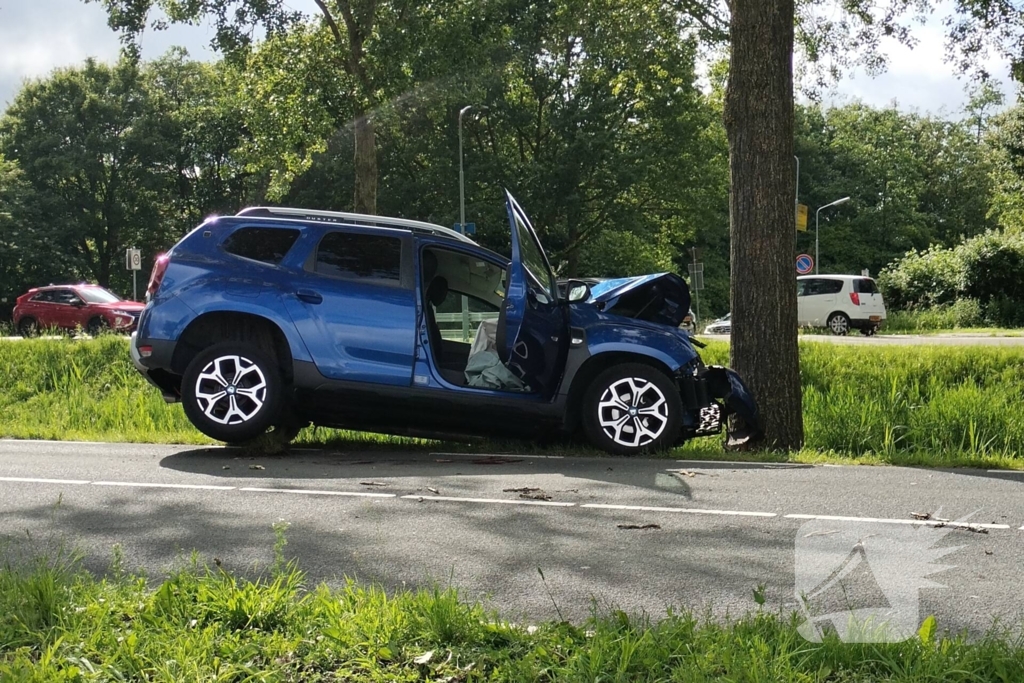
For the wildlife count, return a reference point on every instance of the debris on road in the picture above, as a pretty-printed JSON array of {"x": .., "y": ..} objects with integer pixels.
[
  {"x": 524, "y": 489},
  {"x": 434, "y": 491},
  {"x": 922, "y": 515},
  {"x": 639, "y": 526},
  {"x": 226, "y": 467},
  {"x": 495, "y": 461},
  {"x": 372, "y": 483},
  {"x": 257, "y": 467},
  {"x": 686, "y": 473}
]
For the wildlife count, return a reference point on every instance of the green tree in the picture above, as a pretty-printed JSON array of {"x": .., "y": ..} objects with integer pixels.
[
  {"x": 87, "y": 142},
  {"x": 914, "y": 181},
  {"x": 27, "y": 255}
]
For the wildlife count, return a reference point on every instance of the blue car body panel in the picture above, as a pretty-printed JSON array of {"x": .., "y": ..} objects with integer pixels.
[{"x": 369, "y": 340}]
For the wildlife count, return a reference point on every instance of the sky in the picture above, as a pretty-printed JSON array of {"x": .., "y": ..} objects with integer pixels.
[{"x": 37, "y": 36}]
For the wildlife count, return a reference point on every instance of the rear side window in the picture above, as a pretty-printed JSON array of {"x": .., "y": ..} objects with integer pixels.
[
  {"x": 64, "y": 296},
  {"x": 268, "y": 245},
  {"x": 359, "y": 256},
  {"x": 818, "y": 286},
  {"x": 865, "y": 286},
  {"x": 44, "y": 297}
]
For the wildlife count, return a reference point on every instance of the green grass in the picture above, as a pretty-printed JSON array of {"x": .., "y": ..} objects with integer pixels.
[
  {"x": 930, "y": 405},
  {"x": 59, "y": 624}
]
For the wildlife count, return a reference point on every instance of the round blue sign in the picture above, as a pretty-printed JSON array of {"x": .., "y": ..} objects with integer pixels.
[{"x": 804, "y": 264}]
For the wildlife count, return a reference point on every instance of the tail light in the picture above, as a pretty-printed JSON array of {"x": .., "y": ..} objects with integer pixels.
[
  {"x": 157, "y": 276},
  {"x": 855, "y": 298}
]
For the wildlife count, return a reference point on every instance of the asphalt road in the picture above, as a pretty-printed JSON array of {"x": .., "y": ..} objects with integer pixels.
[{"x": 417, "y": 519}]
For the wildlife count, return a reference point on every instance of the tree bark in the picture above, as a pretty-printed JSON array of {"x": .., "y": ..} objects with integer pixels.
[
  {"x": 365, "y": 197},
  {"x": 759, "y": 125}
]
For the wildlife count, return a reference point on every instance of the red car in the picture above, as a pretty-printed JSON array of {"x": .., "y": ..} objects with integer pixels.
[{"x": 89, "y": 307}]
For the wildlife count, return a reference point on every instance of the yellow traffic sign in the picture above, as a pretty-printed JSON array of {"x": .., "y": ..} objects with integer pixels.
[{"x": 801, "y": 217}]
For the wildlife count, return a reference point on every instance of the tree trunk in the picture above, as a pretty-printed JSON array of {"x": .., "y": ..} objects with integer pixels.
[
  {"x": 365, "y": 198},
  {"x": 759, "y": 124}
]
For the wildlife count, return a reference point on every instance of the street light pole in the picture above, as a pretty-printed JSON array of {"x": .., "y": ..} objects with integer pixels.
[
  {"x": 816, "y": 214},
  {"x": 462, "y": 176}
]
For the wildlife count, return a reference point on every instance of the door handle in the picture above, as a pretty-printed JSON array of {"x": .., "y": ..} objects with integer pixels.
[{"x": 309, "y": 296}]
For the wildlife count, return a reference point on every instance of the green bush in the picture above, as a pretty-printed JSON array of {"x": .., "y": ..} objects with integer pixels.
[{"x": 987, "y": 269}]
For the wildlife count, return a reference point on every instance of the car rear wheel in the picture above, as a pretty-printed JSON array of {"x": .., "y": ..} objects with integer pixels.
[
  {"x": 632, "y": 408},
  {"x": 28, "y": 327},
  {"x": 232, "y": 392},
  {"x": 839, "y": 324}
]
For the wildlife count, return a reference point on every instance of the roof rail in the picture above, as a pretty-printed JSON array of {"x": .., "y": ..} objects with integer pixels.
[{"x": 352, "y": 218}]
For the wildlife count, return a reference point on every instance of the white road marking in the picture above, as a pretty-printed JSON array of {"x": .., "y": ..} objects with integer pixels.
[
  {"x": 30, "y": 480},
  {"x": 314, "y": 492},
  {"x": 699, "y": 511},
  {"x": 1020, "y": 472},
  {"x": 919, "y": 522},
  {"x": 502, "y": 501},
  {"x": 164, "y": 486}
]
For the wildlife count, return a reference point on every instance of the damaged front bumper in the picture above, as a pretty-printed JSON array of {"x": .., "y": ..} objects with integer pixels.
[{"x": 717, "y": 396}]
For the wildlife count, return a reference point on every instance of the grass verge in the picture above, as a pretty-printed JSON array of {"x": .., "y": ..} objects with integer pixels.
[
  {"x": 930, "y": 405},
  {"x": 58, "y": 624}
]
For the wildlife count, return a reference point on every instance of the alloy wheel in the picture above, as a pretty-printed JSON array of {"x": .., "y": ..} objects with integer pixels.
[
  {"x": 839, "y": 325},
  {"x": 633, "y": 412},
  {"x": 231, "y": 389}
]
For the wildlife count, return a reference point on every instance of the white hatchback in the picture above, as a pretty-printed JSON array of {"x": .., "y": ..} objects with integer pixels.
[{"x": 840, "y": 303}]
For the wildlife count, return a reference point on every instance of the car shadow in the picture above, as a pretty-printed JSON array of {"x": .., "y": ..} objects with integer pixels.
[{"x": 360, "y": 468}]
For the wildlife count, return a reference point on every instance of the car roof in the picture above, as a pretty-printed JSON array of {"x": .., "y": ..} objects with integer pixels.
[{"x": 833, "y": 277}]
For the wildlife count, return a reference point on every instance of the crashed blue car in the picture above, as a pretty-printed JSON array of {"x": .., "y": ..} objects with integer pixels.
[{"x": 276, "y": 318}]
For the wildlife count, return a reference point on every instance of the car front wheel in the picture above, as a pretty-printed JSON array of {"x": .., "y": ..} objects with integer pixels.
[
  {"x": 632, "y": 408},
  {"x": 839, "y": 324},
  {"x": 232, "y": 392}
]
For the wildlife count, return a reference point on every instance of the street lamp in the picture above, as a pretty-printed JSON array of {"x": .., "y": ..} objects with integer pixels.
[
  {"x": 462, "y": 176},
  {"x": 816, "y": 214}
]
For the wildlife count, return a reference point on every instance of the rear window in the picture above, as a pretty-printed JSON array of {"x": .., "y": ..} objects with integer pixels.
[
  {"x": 358, "y": 256},
  {"x": 268, "y": 245},
  {"x": 865, "y": 286}
]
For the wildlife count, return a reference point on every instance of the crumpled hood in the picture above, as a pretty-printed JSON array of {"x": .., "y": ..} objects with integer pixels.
[{"x": 662, "y": 298}]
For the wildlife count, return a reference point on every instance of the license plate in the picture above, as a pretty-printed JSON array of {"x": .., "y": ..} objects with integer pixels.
[{"x": 875, "y": 318}]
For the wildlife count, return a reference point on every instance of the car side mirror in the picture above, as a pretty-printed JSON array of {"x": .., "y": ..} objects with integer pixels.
[
  {"x": 578, "y": 291},
  {"x": 78, "y": 303}
]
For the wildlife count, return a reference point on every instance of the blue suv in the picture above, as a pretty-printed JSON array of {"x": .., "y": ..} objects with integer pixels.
[{"x": 277, "y": 318}]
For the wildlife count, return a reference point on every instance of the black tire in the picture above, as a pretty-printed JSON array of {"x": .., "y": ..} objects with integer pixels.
[
  {"x": 839, "y": 324},
  {"x": 28, "y": 327},
  {"x": 621, "y": 380},
  {"x": 243, "y": 419},
  {"x": 95, "y": 326}
]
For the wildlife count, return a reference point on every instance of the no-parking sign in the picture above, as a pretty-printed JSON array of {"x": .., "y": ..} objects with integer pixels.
[{"x": 804, "y": 264}]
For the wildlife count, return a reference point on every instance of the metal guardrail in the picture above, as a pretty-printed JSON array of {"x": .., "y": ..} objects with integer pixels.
[{"x": 466, "y": 323}]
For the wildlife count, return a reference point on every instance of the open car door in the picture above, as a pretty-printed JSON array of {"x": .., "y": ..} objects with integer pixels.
[{"x": 533, "y": 328}]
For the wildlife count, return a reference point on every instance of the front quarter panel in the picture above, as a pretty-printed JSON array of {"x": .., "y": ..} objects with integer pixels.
[{"x": 611, "y": 333}]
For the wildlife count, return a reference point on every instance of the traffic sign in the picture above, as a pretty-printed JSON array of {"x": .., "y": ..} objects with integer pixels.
[
  {"x": 696, "y": 276},
  {"x": 804, "y": 264},
  {"x": 467, "y": 229},
  {"x": 801, "y": 217},
  {"x": 133, "y": 259}
]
